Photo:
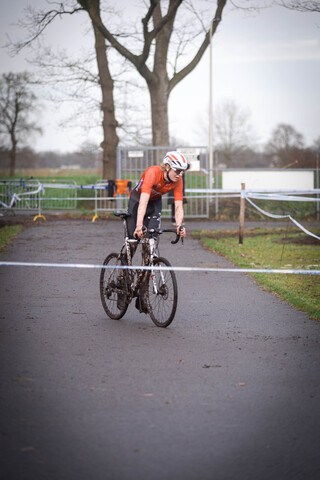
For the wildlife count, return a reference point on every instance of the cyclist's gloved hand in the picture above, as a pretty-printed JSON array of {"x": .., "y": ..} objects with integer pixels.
[
  {"x": 139, "y": 232},
  {"x": 181, "y": 231}
]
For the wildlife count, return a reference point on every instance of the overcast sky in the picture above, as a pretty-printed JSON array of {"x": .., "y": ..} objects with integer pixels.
[{"x": 268, "y": 63}]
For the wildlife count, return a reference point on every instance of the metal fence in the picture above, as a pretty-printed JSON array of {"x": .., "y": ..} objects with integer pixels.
[
  {"x": 33, "y": 196},
  {"x": 103, "y": 201},
  {"x": 20, "y": 195},
  {"x": 133, "y": 161},
  {"x": 59, "y": 196}
]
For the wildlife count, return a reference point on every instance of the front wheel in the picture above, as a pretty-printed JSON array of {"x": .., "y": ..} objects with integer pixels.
[
  {"x": 114, "y": 284},
  {"x": 162, "y": 293}
]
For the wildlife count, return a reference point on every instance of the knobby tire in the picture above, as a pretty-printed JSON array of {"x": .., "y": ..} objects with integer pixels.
[
  {"x": 112, "y": 284},
  {"x": 162, "y": 305}
]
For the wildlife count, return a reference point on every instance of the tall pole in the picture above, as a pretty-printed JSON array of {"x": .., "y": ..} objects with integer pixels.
[
  {"x": 317, "y": 185},
  {"x": 210, "y": 114}
]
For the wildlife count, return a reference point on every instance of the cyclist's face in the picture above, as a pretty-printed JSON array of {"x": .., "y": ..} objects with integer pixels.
[{"x": 174, "y": 175}]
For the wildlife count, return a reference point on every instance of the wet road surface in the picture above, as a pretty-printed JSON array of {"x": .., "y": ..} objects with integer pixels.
[{"x": 229, "y": 391}]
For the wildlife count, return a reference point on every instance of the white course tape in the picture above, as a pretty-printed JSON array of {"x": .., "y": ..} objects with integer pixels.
[
  {"x": 31, "y": 192},
  {"x": 315, "y": 191},
  {"x": 276, "y": 196},
  {"x": 273, "y": 215},
  {"x": 178, "y": 269},
  {"x": 80, "y": 187}
]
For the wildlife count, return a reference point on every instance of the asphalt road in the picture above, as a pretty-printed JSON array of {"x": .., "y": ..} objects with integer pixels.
[{"x": 229, "y": 391}]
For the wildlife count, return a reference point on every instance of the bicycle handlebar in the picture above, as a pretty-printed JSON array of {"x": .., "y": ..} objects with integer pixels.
[
  {"x": 168, "y": 230},
  {"x": 159, "y": 231},
  {"x": 178, "y": 237}
]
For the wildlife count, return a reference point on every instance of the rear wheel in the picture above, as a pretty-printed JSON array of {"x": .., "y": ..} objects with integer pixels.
[
  {"x": 114, "y": 285},
  {"x": 161, "y": 293}
]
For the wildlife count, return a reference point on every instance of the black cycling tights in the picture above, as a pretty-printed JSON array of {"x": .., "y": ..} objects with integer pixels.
[{"x": 152, "y": 218}]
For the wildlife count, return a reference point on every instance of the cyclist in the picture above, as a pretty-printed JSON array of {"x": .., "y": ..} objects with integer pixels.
[{"x": 145, "y": 203}]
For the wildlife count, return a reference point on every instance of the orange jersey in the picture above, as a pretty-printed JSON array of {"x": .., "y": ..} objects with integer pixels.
[{"x": 153, "y": 183}]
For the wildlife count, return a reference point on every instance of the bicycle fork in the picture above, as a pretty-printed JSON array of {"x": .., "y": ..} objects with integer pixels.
[{"x": 162, "y": 282}]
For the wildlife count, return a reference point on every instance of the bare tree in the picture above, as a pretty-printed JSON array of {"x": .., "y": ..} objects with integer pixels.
[
  {"x": 285, "y": 144},
  {"x": 36, "y": 21},
  {"x": 232, "y": 130},
  {"x": 316, "y": 145},
  {"x": 155, "y": 48},
  {"x": 17, "y": 103}
]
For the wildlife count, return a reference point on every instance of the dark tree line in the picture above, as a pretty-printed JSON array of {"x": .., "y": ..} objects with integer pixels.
[
  {"x": 285, "y": 149},
  {"x": 26, "y": 158}
]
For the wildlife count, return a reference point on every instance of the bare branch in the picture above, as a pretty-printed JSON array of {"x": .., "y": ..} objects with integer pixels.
[
  {"x": 35, "y": 22},
  {"x": 169, "y": 17},
  {"x": 196, "y": 59},
  {"x": 189, "y": 5},
  {"x": 300, "y": 5},
  {"x": 139, "y": 61},
  {"x": 251, "y": 8},
  {"x": 93, "y": 9}
]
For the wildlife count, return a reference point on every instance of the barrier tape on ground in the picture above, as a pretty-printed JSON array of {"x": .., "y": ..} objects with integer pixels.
[
  {"x": 273, "y": 215},
  {"x": 178, "y": 269},
  {"x": 80, "y": 187}
]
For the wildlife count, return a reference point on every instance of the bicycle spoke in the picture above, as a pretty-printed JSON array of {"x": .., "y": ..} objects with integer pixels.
[{"x": 162, "y": 294}]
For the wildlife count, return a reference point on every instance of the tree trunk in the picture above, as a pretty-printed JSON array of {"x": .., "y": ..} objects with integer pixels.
[
  {"x": 159, "y": 112},
  {"x": 158, "y": 84},
  {"x": 109, "y": 123},
  {"x": 13, "y": 153}
]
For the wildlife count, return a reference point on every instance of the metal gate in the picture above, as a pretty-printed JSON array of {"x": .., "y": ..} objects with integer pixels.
[
  {"x": 133, "y": 161},
  {"x": 19, "y": 195}
]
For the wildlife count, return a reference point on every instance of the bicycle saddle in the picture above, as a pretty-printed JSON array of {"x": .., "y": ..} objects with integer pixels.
[{"x": 121, "y": 213}]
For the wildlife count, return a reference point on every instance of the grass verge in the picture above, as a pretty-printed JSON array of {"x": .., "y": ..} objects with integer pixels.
[
  {"x": 274, "y": 248},
  {"x": 8, "y": 233}
]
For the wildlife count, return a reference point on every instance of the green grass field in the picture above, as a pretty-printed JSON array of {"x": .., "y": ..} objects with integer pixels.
[
  {"x": 274, "y": 248},
  {"x": 7, "y": 234}
]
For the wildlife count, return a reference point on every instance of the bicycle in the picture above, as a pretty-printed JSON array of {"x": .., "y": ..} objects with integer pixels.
[{"x": 154, "y": 288}]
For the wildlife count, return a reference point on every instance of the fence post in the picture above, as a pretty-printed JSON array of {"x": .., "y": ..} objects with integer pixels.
[
  {"x": 216, "y": 185},
  {"x": 242, "y": 212}
]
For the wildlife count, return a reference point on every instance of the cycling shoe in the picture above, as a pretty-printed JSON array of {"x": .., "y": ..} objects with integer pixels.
[{"x": 141, "y": 305}]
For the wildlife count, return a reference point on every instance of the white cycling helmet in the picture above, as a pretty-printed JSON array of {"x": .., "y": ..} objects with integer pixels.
[{"x": 176, "y": 161}]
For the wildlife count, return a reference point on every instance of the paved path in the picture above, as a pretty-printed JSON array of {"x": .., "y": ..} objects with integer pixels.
[{"x": 229, "y": 391}]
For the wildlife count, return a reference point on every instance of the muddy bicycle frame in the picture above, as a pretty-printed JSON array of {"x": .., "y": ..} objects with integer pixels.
[{"x": 149, "y": 251}]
